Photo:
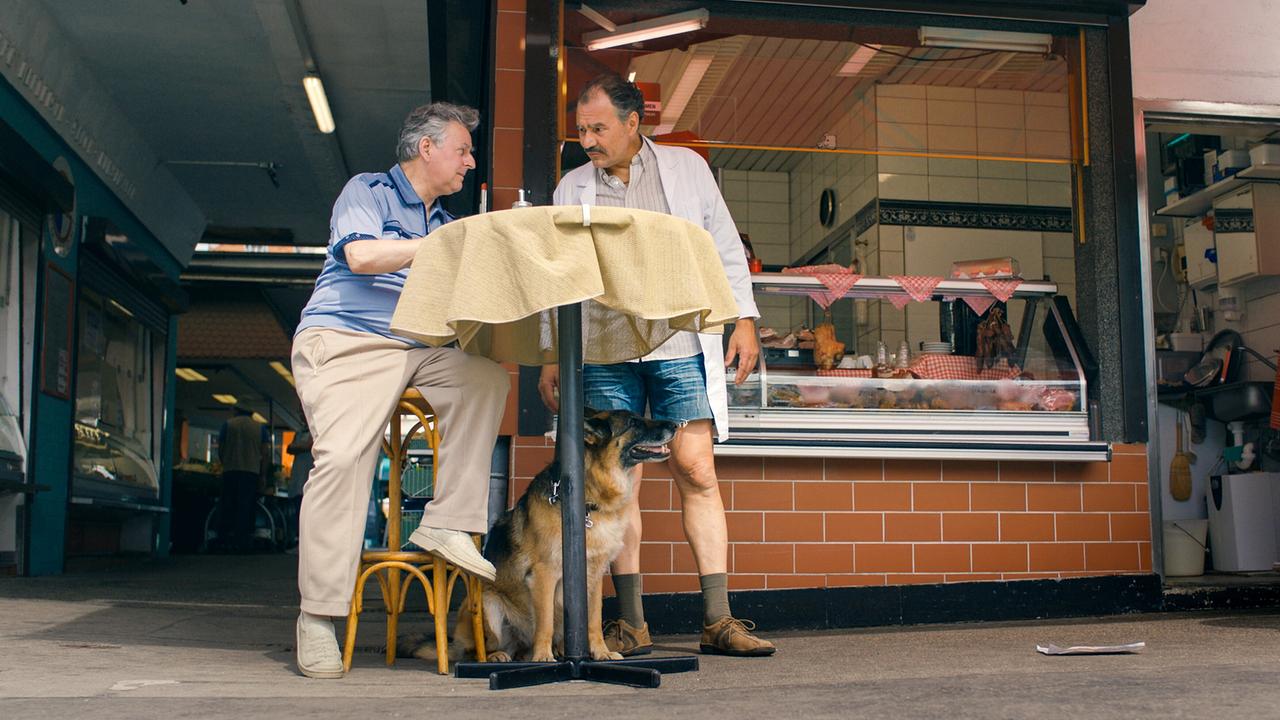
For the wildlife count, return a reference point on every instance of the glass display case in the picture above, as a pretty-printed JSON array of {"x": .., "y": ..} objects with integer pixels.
[
  {"x": 953, "y": 397},
  {"x": 115, "y": 453}
]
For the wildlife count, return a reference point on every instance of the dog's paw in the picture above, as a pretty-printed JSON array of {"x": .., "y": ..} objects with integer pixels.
[
  {"x": 544, "y": 655},
  {"x": 498, "y": 656},
  {"x": 603, "y": 653}
]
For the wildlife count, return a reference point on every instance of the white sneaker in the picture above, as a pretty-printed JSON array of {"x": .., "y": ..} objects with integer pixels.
[
  {"x": 317, "y": 648},
  {"x": 456, "y": 547}
]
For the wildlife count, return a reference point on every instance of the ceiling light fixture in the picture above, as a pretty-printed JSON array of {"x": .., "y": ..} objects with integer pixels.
[
  {"x": 650, "y": 29},
  {"x": 257, "y": 417},
  {"x": 319, "y": 103},
  {"x": 945, "y": 37},
  {"x": 858, "y": 60},
  {"x": 225, "y": 399},
  {"x": 190, "y": 375},
  {"x": 282, "y": 371}
]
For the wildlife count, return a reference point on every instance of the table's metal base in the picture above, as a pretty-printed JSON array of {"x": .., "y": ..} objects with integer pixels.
[{"x": 645, "y": 672}]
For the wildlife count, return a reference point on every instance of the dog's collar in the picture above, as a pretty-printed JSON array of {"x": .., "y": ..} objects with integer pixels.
[{"x": 554, "y": 498}]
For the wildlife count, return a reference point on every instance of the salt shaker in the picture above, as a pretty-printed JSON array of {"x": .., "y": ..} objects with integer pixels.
[{"x": 904, "y": 355}]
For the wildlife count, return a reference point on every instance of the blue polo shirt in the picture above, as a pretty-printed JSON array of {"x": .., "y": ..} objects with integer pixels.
[{"x": 372, "y": 206}]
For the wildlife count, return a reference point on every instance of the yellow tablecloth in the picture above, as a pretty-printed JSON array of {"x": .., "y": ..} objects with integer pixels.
[{"x": 485, "y": 280}]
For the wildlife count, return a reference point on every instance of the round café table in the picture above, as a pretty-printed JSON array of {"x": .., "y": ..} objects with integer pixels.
[{"x": 513, "y": 286}]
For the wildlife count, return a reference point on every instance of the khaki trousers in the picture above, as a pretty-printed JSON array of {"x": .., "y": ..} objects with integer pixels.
[{"x": 349, "y": 382}]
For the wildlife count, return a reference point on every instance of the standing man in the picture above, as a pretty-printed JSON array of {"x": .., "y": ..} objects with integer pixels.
[
  {"x": 684, "y": 379},
  {"x": 350, "y": 371},
  {"x": 244, "y": 452}
]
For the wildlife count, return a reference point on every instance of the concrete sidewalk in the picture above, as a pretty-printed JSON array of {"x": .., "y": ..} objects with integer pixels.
[{"x": 211, "y": 637}]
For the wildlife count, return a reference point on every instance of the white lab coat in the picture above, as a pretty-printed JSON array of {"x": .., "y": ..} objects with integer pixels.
[{"x": 691, "y": 193}]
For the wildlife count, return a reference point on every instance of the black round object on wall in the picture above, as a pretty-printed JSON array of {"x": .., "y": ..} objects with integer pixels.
[{"x": 827, "y": 208}]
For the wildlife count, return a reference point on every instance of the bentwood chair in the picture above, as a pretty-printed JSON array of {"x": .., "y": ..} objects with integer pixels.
[{"x": 438, "y": 577}]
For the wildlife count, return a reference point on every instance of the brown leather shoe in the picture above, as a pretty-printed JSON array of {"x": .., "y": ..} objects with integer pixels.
[
  {"x": 622, "y": 637},
  {"x": 731, "y": 636}
]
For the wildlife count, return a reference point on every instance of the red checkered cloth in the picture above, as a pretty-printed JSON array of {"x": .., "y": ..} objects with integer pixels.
[
  {"x": 919, "y": 287},
  {"x": 979, "y": 304},
  {"x": 1001, "y": 288},
  {"x": 846, "y": 372},
  {"x": 930, "y": 366},
  {"x": 837, "y": 278}
]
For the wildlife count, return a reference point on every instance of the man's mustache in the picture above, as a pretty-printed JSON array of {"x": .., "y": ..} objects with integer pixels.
[{"x": 595, "y": 152}]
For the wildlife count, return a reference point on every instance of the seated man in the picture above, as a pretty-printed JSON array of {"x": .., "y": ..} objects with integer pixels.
[{"x": 350, "y": 371}]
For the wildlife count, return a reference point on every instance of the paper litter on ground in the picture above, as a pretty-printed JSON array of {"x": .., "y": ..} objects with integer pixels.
[{"x": 1136, "y": 647}]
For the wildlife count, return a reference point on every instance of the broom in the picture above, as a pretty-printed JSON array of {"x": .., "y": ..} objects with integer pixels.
[{"x": 1180, "y": 469}]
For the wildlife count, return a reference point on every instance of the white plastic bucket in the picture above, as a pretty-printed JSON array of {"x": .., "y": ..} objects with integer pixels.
[{"x": 1184, "y": 547}]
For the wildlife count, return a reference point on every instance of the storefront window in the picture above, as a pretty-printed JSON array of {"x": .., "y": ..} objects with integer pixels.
[{"x": 115, "y": 418}]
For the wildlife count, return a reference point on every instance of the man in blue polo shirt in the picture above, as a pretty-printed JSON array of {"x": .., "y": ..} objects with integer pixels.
[{"x": 350, "y": 370}]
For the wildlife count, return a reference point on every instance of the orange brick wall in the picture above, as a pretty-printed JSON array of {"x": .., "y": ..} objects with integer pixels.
[
  {"x": 508, "y": 139},
  {"x": 508, "y": 111},
  {"x": 814, "y": 522}
]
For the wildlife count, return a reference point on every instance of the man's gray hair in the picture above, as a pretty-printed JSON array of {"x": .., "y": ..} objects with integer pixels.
[{"x": 430, "y": 121}]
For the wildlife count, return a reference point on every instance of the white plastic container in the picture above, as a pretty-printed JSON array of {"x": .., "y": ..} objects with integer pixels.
[
  {"x": 1184, "y": 547},
  {"x": 1265, "y": 154},
  {"x": 1231, "y": 162},
  {"x": 1243, "y": 521}
]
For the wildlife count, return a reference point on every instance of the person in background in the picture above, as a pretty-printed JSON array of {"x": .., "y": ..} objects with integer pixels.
[
  {"x": 351, "y": 369},
  {"x": 244, "y": 450},
  {"x": 684, "y": 379}
]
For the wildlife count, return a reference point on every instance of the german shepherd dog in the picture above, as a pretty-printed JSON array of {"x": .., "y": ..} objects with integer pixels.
[{"x": 523, "y": 607}]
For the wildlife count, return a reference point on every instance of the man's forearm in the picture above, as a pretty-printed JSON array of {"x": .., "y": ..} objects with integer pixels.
[{"x": 372, "y": 257}]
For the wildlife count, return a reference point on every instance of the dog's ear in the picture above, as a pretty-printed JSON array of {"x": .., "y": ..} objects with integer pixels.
[{"x": 595, "y": 430}]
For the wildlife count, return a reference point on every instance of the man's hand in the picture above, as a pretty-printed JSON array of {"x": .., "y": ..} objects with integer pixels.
[
  {"x": 549, "y": 387},
  {"x": 743, "y": 346}
]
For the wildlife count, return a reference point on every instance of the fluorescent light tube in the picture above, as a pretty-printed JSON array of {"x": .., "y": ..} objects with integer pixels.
[
  {"x": 225, "y": 399},
  {"x": 319, "y": 103},
  {"x": 647, "y": 29},
  {"x": 944, "y": 37},
  {"x": 190, "y": 375},
  {"x": 282, "y": 371}
]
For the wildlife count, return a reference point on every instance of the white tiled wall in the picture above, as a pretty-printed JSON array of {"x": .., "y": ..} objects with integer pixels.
[
  {"x": 851, "y": 176},
  {"x": 967, "y": 121},
  {"x": 760, "y": 205}
]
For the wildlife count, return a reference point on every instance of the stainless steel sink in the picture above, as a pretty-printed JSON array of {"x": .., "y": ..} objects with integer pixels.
[{"x": 1237, "y": 401}]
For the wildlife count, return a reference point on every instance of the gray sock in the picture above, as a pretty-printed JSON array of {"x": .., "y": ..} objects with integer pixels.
[
  {"x": 715, "y": 597},
  {"x": 630, "y": 607}
]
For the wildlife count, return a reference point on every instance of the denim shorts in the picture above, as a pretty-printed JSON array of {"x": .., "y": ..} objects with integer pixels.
[{"x": 674, "y": 390}]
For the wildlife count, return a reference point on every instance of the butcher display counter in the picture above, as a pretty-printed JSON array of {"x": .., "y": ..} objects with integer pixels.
[{"x": 1025, "y": 398}]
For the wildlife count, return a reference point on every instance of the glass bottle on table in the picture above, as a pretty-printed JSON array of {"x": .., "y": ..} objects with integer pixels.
[{"x": 882, "y": 368}]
